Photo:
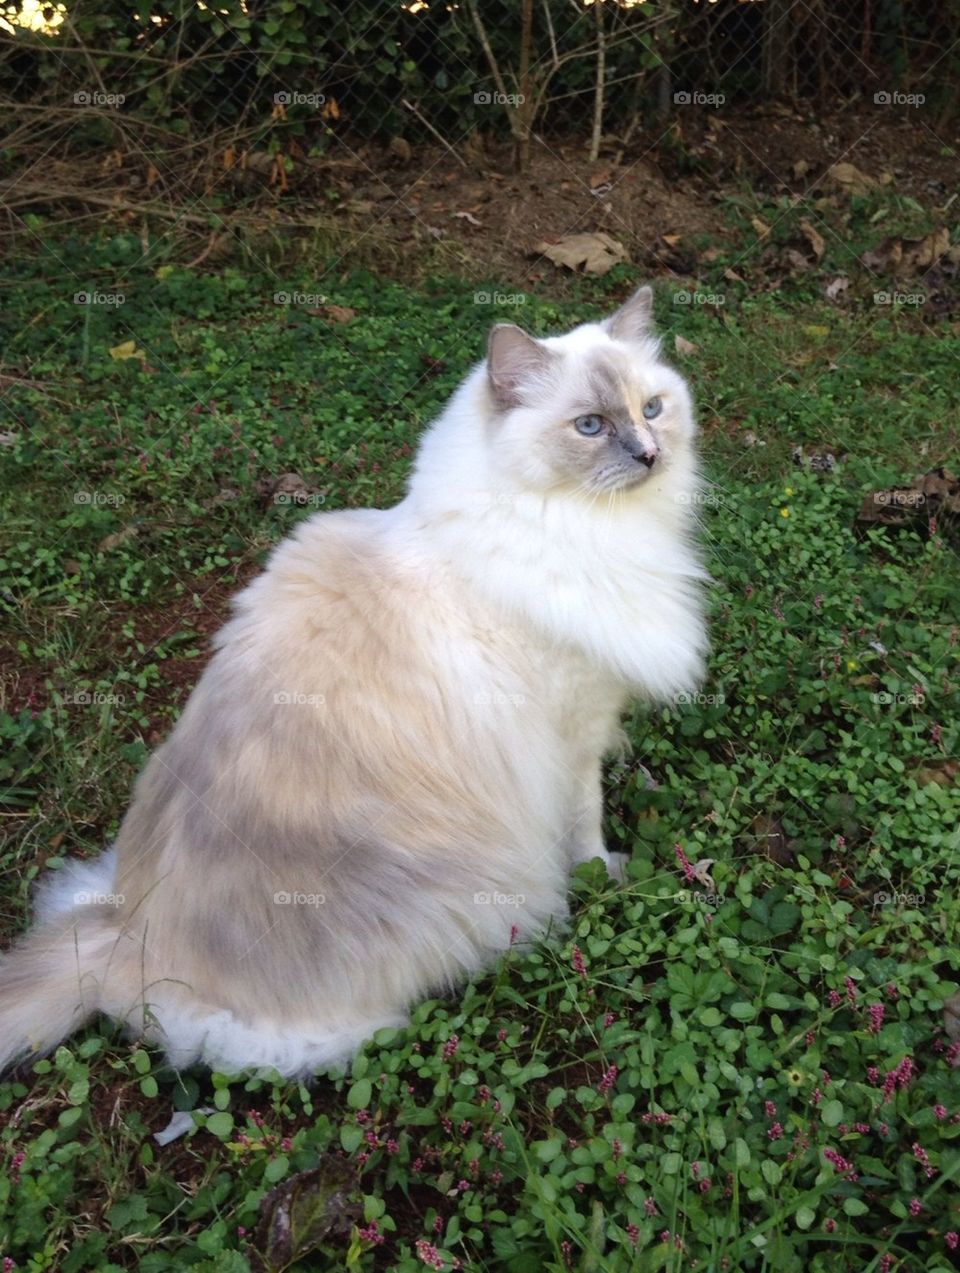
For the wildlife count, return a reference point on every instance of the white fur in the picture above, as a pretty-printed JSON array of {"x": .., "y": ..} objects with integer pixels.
[{"x": 468, "y": 654}]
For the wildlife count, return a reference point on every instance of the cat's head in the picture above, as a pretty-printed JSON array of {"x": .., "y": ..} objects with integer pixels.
[{"x": 590, "y": 412}]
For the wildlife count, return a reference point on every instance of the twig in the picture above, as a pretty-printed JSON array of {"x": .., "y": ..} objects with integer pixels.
[
  {"x": 597, "y": 129},
  {"x": 439, "y": 136}
]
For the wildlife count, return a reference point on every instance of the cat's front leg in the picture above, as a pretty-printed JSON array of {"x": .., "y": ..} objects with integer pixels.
[{"x": 584, "y": 836}]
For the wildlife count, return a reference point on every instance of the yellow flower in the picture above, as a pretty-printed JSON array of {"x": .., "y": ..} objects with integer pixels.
[
  {"x": 784, "y": 512},
  {"x": 795, "y": 1078},
  {"x": 852, "y": 665},
  {"x": 788, "y": 490}
]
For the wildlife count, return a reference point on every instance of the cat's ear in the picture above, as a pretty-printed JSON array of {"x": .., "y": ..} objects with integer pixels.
[
  {"x": 512, "y": 358},
  {"x": 633, "y": 320}
]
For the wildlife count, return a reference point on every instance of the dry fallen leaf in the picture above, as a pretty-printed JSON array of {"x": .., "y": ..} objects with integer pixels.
[
  {"x": 117, "y": 538},
  {"x": 920, "y": 254},
  {"x": 760, "y": 226},
  {"x": 849, "y": 179},
  {"x": 468, "y": 217},
  {"x": 800, "y": 169},
  {"x": 126, "y": 350},
  {"x": 815, "y": 240},
  {"x": 796, "y": 260},
  {"x": 338, "y": 313},
  {"x": 596, "y": 253},
  {"x": 835, "y": 287},
  {"x": 684, "y": 346}
]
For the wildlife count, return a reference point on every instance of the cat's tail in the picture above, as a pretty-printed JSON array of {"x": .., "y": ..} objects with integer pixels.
[{"x": 51, "y": 978}]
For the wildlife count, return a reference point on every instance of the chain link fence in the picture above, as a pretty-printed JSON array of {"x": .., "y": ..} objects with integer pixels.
[{"x": 233, "y": 95}]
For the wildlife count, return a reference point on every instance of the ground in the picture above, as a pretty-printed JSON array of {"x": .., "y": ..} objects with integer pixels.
[{"x": 738, "y": 1060}]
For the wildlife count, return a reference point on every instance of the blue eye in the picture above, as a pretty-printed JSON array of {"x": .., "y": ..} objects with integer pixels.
[
  {"x": 652, "y": 408},
  {"x": 589, "y": 425}
]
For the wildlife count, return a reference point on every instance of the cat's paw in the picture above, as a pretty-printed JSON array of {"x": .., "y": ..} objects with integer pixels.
[{"x": 617, "y": 866}]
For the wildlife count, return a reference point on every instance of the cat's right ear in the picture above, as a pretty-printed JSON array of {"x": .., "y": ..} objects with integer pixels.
[
  {"x": 512, "y": 358},
  {"x": 633, "y": 320}
]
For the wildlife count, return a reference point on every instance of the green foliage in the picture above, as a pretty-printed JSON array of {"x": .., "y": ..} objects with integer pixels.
[{"x": 745, "y": 1068}]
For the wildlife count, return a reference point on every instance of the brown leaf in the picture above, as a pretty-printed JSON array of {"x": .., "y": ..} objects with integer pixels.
[
  {"x": 338, "y": 313},
  {"x": 117, "y": 538},
  {"x": 684, "y": 346},
  {"x": 796, "y": 260},
  {"x": 761, "y": 227},
  {"x": 800, "y": 169},
  {"x": 920, "y": 254},
  {"x": 770, "y": 838},
  {"x": 885, "y": 257},
  {"x": 849, "y": 179},
  {"x": 301, "y": 1213},
  {"x": 400, "y": 147},
  {"x": 815, "y": 240},
  {"x": 596, "y": 253},
  {"x": 940, "y": 773}
]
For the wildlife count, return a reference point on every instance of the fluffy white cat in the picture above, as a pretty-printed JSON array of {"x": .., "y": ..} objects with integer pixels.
[{"x": 401, "y": 728}]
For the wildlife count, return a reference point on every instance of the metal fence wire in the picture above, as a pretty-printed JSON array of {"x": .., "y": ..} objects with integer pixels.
[{"x": 284, "y": 80}]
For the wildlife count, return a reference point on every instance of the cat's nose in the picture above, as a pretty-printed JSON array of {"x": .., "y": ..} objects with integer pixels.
[{"x": 648, "y": 457}]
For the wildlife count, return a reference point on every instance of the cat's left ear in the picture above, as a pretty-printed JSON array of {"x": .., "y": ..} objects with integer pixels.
[{"x": 633, "y": 320}]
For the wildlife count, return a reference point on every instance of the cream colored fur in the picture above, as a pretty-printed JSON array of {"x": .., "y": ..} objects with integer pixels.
[{"x": 400, "y": 731}]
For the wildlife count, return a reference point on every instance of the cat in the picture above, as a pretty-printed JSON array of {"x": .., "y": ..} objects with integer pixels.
[{"x": 392, "y": 761}]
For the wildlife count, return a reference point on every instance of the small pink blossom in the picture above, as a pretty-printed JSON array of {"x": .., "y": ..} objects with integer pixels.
[
  {"x": 876, "y": 1012},
  {"x": 608, "y": 1080},
  {"x": 689, "y": 873}
]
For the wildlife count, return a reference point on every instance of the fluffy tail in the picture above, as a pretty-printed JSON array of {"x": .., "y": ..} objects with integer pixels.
[{"x": 50, "y": 980}]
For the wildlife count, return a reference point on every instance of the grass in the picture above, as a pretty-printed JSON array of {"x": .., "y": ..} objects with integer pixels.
[{"x": 741, "y": 1070}]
